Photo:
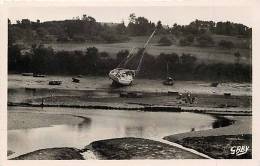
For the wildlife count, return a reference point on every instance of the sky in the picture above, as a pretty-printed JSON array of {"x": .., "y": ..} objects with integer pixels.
[{"x": 168, "y": 15}]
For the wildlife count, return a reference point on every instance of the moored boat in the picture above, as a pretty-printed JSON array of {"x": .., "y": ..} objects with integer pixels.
[
  {"x": 55, "y": 82},
  {"x": 76, "y": 80},
  {"x": 123, "y": 76},
  {"x": 27, "y": 74},
  {"x": 169, "y": 81},
  {"x": 38, "y": 75}
]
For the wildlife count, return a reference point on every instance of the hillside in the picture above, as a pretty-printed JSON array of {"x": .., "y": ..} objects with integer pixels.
[
  {"x": 213, "y": 54},
  {"x": 200, "y": 50}
]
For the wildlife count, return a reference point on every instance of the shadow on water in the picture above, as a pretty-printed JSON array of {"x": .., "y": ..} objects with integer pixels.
[
  {"x": 221, "y": 122},
  {"x": 218, "y": 123},
  {"x": 85, "y": 124}
]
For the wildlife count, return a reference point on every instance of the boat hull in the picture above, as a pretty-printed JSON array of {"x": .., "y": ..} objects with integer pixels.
[{"x": 121, "y": 77}]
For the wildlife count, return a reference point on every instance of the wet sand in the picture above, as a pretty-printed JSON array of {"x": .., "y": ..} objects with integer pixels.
[
  {"x": 242, "y": 125},
  {"x": 219, "y": 147},
  {"x": 209, "y": 100},
  {"x": 52, "y": 154},
  {"x": 138, "y": 148},
  {"x": 144, "y": 85},
  {"x": 115, "y": 148},
  {"x": 203, "y": 103},
  {"x": 36, "y": 119},
  {"x": 217, "y": 143}
]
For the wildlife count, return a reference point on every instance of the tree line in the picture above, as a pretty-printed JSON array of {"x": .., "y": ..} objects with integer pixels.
[
  {"x": 44, "y": 60},
  {"x": 87, "y": 28}
]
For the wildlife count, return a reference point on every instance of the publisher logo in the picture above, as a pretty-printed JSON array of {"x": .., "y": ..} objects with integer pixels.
[{"x": 239, "y": 150}]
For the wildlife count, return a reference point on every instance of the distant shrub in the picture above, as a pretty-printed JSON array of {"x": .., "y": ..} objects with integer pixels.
[
  {"x": 188, "y": 59},
  {"x": 186, "y": 41},
  {"x": 205, "y": 40},
  {"x": 103, "y": 55},
  {"x": 79, "y": 39},
  {"x": 63, "y": 39},
  {"x": 165, "y": 41},
  {"x": 226, "y": 44},
  {"x": 93, "y": 62},
  {"x": 190, "y": 38}
]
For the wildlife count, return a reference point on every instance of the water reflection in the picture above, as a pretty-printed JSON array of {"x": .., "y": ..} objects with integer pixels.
[
  {"x": 132, "y": 131},
  {"x": 103, "y": 124},
  {"x": 84, "y": 125}
]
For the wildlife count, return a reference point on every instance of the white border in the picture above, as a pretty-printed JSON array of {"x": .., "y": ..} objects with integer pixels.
[{"x": 60, "y": 3}]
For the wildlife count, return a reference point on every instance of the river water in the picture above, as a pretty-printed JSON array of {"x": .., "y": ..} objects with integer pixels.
[{"x": 102, "y": 124}]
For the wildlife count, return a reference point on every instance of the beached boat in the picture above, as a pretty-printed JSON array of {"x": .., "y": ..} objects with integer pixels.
[
  {"x": 27, "y": 74},
  {"x": 55, "y": 82},
  {"x": 122, "y": 76},
  {"x": 76, "y": 80},
  {"x": 38, "y": 75},
  {"x": 169, "y": 80}
]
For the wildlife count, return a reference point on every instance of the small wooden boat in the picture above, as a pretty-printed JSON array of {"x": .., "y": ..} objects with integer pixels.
[
  {"x": 27, "y": 74},
  {"x": 76, "y": 80},
  {"x": 227, "y": 94},
  {"x": 38, "y": 75},
  {"x": 173, "y": 93},
  {"x": 169, "y": 81},
  {"x": 55, "y": 82}
]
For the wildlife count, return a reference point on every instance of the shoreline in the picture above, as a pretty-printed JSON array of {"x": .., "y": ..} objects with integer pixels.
[
  {"x": 217, "y": 142},
  {"x": 159, "y": 101},
  {"x": 19, "y": 120},
  {"x": 210, "y": 111},
  {"x": 231, "y": 102},
  {"x": 93, "y": 83},
  {"x": 47, "y": 153},
  {"x": 126, "y": 141}
]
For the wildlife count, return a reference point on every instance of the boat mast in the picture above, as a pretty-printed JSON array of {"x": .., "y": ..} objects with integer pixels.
[
  {"x": 127, "y": 58},
  {"x": 143, "y": 51},
  {"x": 167, "y": 68}
]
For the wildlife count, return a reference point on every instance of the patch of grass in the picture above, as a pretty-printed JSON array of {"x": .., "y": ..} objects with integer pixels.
[{"x": 203, "y": 54}]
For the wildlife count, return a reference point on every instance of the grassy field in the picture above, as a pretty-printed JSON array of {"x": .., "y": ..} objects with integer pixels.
[{"x": 212, "y": 54}]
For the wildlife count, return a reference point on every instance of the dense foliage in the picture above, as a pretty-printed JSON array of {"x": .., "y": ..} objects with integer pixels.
[
  {"x": 87, "y": 28},
  {"x": 92, "y": 62},
  {"x": 226, "y": 44},
  {"x": 30, "y": 56},
  {"x": 165, "y": 41}
]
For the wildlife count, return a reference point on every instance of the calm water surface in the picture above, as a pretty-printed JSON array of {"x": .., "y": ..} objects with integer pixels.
[{"x": 103, "y": 124}]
